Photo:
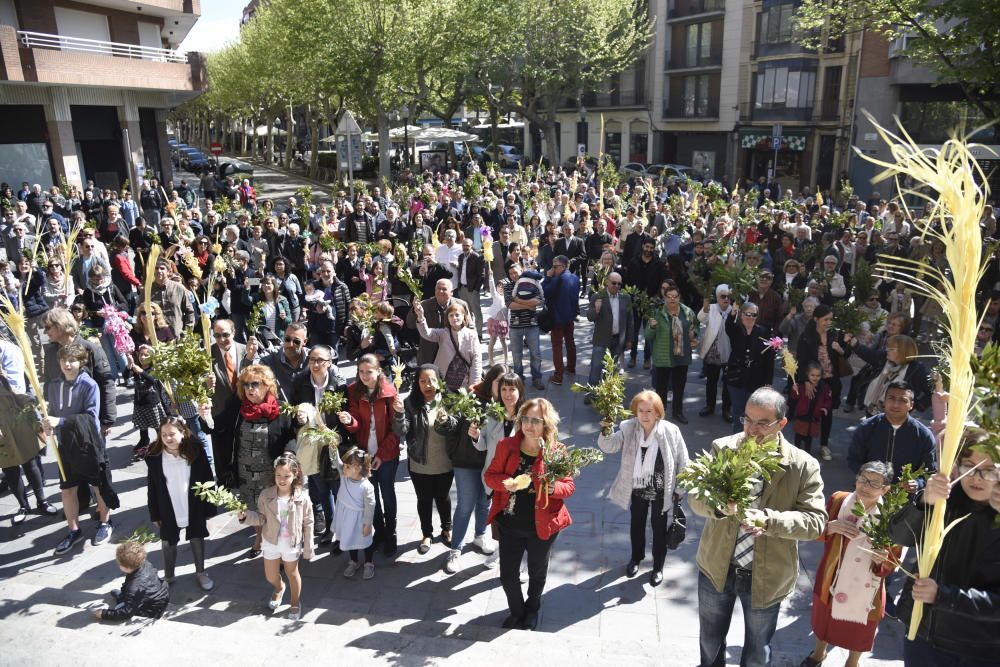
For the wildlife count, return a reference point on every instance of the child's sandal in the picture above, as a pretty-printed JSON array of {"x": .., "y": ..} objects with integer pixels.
[
  {"x": 275, "y": 600},
  {"x": 294, "y": 613}
]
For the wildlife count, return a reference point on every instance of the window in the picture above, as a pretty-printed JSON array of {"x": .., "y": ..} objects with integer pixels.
[
  {"x": 776, "y": 25},
  {"x": 696, "y": 95},
  {"x": 831, "y": 91},
  {"x": 784, "y": 86},
  {"x": 698, "y": 44}
]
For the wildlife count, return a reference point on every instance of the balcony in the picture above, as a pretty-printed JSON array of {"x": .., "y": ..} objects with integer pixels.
[
  {"x": 57, "y": 60},
  {"x": 677, "y": 112},
  {"x": 675, "y": 65},
  {"x": 154, "y": 7},
  {"x": 684, "y": 9}
]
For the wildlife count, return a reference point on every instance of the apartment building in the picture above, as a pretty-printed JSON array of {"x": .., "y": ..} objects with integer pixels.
[
  {"x": 85, "y": 86},
  {"x": 678, "y": 104},
  {"x": 890, "y": 86},
  {"x": 810, "y": 94}
]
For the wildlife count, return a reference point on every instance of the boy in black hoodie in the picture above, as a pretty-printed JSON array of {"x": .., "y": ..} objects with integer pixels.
[{"x": 143, "y": 594}]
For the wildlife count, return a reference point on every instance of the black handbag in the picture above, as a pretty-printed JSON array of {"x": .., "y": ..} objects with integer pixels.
[{"x": 678, "y": 526}]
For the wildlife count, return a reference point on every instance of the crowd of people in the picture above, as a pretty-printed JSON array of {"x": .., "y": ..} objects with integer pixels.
[{"x": 291, "y": 295}]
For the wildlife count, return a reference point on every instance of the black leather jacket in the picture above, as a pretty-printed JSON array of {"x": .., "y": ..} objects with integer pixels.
[
  {"x": 965, "y": 619},
  {"x": 411, "y": 425}
]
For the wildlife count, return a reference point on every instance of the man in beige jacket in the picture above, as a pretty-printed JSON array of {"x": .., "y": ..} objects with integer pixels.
[{"x": 755, "y": 557}]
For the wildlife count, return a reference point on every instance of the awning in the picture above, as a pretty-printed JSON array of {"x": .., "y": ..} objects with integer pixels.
[{"x": 758, "y": 137}]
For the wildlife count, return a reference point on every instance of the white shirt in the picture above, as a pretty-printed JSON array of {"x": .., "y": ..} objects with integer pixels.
[
  {"x": 462, "y": 280},
  {"x": 177, "y": 472},
  {"x": 448, "y": 258},
  {"x": 372, "y": 439},
  {"x": 613, "y": 304}
]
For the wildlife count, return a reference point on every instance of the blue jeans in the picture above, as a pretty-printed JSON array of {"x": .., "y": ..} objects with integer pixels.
[
  {"x": 471, "y": 496},
  {"x": 519, "y": 336},
  {"x": 321, "y": 493},
  {"x": 715, "y": 611},
  {"x": 115, "y": 360},
  {"x": 206, "y": 444},
  {"x": 920, "y": 653},
  {"x": 384, "y": 480},
  {"x": 738, "y": 400},
  {"x": 617, "y": 347}
]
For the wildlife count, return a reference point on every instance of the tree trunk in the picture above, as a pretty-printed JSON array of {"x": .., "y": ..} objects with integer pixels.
[
  {"x": 314, "y": 143},
  {"x": 289, "y": 138},
  {"x": 551, "y": 143},
  {"x": 269, "y": 152},
  {"x": 384, "y": 165}
]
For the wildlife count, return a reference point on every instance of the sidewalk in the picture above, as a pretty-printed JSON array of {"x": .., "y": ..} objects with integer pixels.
[{"x": 412, "y": 613}]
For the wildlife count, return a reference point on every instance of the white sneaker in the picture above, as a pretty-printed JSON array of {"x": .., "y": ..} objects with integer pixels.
[
  {"x": 484, "y": 544},
  {"x": 492, "y": 560},
  {"x": 351, "y": 569},
  {"x": 824, "y": 453},
  {"x": 451, "y": 563},
  {"x": 369, "y": 572}
]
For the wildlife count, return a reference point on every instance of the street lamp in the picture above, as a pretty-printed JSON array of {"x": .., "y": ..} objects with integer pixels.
[{"x": 405, "y": 113}]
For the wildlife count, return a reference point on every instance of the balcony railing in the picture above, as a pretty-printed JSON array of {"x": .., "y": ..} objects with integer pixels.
[
  {"x": 40, "y": 40},
  {"x": 682, "y": 8},
  {"x": 678, "y": 112},
  {"x": 684, "y": 62}
]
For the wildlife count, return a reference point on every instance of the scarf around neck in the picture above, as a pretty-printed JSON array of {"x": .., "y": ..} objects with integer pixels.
[{"x": 266, "y": 410}]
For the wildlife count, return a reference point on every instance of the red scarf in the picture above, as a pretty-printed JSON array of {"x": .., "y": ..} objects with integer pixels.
[{"x": 266, "y": 410}]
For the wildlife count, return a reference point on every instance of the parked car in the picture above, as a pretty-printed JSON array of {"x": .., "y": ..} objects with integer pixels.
[
  {"x": 236, "y": 170},
  {"x": 634, "y": 170},
  {"x": 509, "y": 155},
  {"x": 175, "y": 153},
  {"x": 195, "y": 161}
]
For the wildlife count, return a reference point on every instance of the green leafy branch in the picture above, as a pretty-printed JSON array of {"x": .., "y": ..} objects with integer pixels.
[
  {"x": 729, "y": 474},
  {"x": 219, "y": 496},
  {"x": 609, "y": 395}
]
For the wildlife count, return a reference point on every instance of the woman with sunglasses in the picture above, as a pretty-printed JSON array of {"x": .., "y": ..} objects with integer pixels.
[
  {"x": 528, "y": 517},
  {"x": 262, "y": 434},
  {"x": 959, "y": 624},
  {"x": 751, "y": 360},
  {"x": 849, "y": 593}
]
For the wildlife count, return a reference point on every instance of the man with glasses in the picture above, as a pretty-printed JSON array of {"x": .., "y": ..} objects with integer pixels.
[
  {"x": 228, "y": 359},
  {"x": 787, "y": 508},
  {"x": 435, "y": 309},
  {"x": 289, "y": 362},
  {"x": 894, "y": 436},
  {"x": 172, "y": 298},
  {"x": 611, "y": 312},
  {"x": 19, "y": 241},
  {"x": 309, "y": 387}
]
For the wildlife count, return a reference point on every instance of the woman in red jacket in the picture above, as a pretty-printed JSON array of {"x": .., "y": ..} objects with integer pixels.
[
  {"x": 526, "y": 520},
  {"x": 371, "y": 401}
]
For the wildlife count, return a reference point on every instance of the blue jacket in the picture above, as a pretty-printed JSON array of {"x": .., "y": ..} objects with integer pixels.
[
  {"x": 565, "y": 291},
  {"x": 79, "y": 397},
  {"x": 874, "y": 440}
]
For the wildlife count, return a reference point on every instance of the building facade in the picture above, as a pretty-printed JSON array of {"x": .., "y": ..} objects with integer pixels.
[
  {"x": 891, "y": 86},
  {"x": 85, "y": 86}
]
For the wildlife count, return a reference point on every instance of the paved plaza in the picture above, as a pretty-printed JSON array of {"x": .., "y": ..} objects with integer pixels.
[{"x": 411, "y": 613}]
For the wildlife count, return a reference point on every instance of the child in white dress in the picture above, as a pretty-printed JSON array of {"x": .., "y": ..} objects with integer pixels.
[{"x": 355, "y": 510}]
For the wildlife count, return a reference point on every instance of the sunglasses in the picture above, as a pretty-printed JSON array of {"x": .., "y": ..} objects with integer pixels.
[
  {"x": 752, "y": 316},
  {"x": 252, "y": 385},
  {"x": 614, "y": 282},
  {"x": 532, "y": 421},
  {"x": 294, "y": 341}
]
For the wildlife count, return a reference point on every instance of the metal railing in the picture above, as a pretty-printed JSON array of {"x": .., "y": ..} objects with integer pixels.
[{"x": 41, "y": 40}]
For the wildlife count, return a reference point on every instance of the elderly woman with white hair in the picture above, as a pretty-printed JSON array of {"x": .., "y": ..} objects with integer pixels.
[{"x": 715, "y": 349}]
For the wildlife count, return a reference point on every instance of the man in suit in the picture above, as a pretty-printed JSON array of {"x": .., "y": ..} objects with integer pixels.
[
  {"x": 229, "y": 358},
  {"x": 611, "y": 312},
  {"x": 785, "y": 509},
  {"x": 434, "y": 310},
  {"x": 470, "y": 281},
  {"x": 18, "y": 241},
  {"x": 571, "y": 247},
  {"x": 501, "y": 249}
]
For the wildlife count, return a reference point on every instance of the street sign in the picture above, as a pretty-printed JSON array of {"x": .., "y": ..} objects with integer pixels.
[
  {"x": 215, "y": 148},
  {"x": 776, "y": 130},
  {"x": 581, "y": 150},
  {"x": 348, "y": 125},
  {"x": 776, "y": 141}
]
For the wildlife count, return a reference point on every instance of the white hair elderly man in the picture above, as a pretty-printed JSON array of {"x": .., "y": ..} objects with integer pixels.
[{"x": 447, "y": 255}]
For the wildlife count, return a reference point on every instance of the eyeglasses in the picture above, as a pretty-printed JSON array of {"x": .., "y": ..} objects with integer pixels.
[
  {"x": 760, "y": 423},
  {"x": 294, "y": 341},
  {"x": 532, "y": 421},
  {"x": 252, "y": 385},
  {"x": 870, "y": 483},
  {"x": 723, "y": 296},
  {"x": 988, "y": 329},
  {"x": 614, "y": 282},
  {"x": 751, "y": 315},
  {"x": 988, "y": 474},
  {"x": 223, "y": 334},
  {"x": 318, "y": 360}
]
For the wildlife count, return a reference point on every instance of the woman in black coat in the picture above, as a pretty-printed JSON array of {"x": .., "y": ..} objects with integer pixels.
[
  {"x": 821, "y": 344},
  {"x": 175, "y": 456},
  {"x": 751, "y": 360}
]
